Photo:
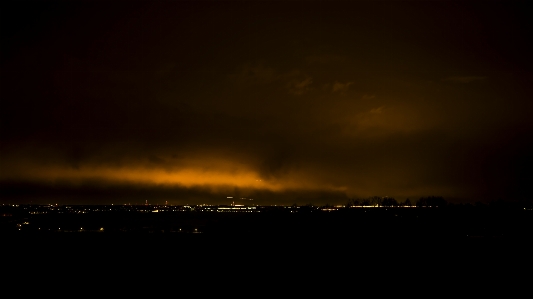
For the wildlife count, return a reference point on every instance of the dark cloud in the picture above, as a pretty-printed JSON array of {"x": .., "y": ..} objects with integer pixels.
[
  {"x": 190, "y": 100},
  {"x": 297, "y": 82},
  {"x": 325, "y": 59},
  {"x": 464, "y": 79},
  {"x": 341, "y": 87}
]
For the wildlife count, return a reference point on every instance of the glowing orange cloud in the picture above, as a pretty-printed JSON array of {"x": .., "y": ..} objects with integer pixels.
[{"x": 190, "y": 176}]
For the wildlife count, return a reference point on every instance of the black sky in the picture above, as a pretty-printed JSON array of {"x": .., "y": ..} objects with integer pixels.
[{"x": 280, "y": 101}]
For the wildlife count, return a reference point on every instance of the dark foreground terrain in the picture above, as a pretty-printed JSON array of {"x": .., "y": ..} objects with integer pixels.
[{"x": 278, "y": 245}]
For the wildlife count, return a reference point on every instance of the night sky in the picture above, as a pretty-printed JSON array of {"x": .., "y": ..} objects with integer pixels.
[{"x": 280, "y": 101}]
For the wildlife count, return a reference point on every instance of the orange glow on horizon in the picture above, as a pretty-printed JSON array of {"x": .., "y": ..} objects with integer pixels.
[{"x": 188, "y": 177}]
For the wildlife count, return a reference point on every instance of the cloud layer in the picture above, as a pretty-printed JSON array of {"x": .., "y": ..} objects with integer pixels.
[{"x": 193, "y": 101}]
